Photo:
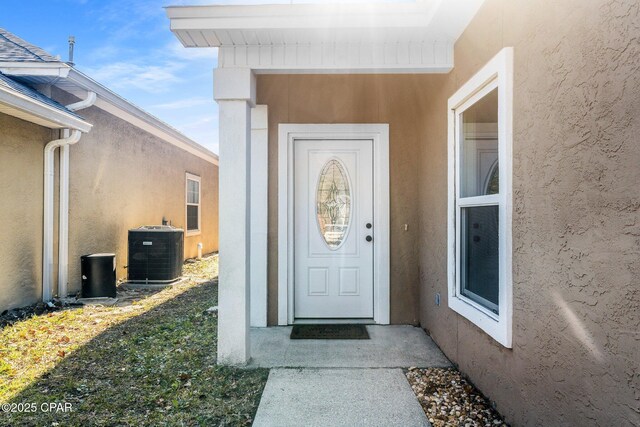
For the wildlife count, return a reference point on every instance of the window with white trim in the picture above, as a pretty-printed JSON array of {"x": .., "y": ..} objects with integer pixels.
[
  {"x": 193, "y": 212},
  {"x": 479, "y": 169}
]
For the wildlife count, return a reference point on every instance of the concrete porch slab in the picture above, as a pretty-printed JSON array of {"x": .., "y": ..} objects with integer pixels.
[
  {"x": 338, "y": 397},
  {"x": 389, "y": 347}
]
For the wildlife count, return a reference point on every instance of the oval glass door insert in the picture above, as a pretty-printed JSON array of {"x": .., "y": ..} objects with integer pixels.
[{"x": 333, "y": 203}]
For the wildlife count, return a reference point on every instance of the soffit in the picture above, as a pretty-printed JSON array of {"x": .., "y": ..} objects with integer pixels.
[{"x": 410, "y": 37}]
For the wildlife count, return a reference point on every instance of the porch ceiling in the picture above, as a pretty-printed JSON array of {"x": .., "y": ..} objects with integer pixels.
[{"x": 381, "y": 37}]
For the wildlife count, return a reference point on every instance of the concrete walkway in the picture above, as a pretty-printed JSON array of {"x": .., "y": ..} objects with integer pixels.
[
  {"x": 342, "y": 382},
  {"x": 338, "y": 397},
  {"x": 389, "y": 347}
]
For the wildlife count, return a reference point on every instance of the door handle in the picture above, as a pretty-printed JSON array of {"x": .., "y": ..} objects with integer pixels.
[{"x": 368, "y": 238}]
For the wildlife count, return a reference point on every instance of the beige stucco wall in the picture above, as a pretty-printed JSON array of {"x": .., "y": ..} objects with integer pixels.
[
  {"x": 395, "y": 99},
  {"x": 576, "y": 221},
  {"x": 121, "y": 178},
  {"x": 576, "y": 197},
  {"x": 21, "y": 192}
]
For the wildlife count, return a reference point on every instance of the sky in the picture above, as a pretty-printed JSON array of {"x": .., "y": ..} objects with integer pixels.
[{"x": 127, "y": 46}]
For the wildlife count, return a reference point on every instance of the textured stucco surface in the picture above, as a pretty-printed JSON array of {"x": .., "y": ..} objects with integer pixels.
[
  {"x": 398, "y": 100},
  {"x": 576, "y": 235},
  {"x": 576, "y": 220},
  {"x": 120, "y": 178},
  {"x": 21, "y": 188}
]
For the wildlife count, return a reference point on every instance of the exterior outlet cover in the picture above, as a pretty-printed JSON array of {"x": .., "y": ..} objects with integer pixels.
[{"x": 437, "y": 299}]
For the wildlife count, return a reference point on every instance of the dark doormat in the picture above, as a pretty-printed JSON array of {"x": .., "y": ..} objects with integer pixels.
[{"x": 329, "y": 332}]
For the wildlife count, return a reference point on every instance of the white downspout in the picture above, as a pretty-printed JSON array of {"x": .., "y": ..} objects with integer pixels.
[
  {"x": 63, "y": 225},
  {"x": 47, "y": 237},
  {"x": 85, "y": 103}
]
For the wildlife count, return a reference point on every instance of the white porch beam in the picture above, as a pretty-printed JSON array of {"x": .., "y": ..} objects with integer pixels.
[
  {"x": 235, "y": 94},
  {"x": 341, "y": 58}
]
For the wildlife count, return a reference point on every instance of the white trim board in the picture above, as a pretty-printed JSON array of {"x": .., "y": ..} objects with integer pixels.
[
  {"x": 498, "y": 72},
  {"x": 259, "y": 215},
  {"x": 195, "y": 178},
  {"x": 287, "y": 135}
]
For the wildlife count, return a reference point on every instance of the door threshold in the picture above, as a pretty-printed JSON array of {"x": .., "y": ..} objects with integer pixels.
[{"x": 333, "y": 322}]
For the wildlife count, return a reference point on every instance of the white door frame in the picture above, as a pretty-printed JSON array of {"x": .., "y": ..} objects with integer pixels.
[{"x": 287, "y": 135}]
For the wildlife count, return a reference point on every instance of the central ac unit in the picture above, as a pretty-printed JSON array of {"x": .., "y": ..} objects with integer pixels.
[{"x": 156, "y": 254}]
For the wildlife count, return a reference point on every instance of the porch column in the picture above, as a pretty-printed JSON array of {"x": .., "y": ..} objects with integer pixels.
[{"x": 234, "y": 90}]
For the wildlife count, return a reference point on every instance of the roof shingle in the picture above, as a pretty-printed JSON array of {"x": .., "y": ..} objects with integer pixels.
[
  {"x": 15, "y": 49},
  {"x": 9, "y": 83}
]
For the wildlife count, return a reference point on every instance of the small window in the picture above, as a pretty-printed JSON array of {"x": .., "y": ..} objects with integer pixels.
[
  {"x": 480, "y": 198},
  {"x": 193, "y": 204},
  {"x": 333, "y": 203}
]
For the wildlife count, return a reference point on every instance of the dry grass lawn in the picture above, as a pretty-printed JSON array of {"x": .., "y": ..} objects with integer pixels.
[{"x": 151, "y": 362}]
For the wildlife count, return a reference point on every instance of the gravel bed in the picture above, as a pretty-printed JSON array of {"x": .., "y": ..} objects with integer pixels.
[
  {"x": 449, "y": 399},
  {"x": 10, "y": 317}
]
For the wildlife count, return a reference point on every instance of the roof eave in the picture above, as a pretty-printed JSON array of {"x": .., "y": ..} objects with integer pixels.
[
  {"x": 308, "y": 17},
  {"x": 420, "y": 21},
  {"x": 40, "y": 69},
  {"x": 111, "y": 102},
  {"x": 24, "y": 107},
  {"x": 357, "y": 38}
]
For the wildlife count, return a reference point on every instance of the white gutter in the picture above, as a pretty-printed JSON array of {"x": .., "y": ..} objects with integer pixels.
[
  {"x": 31, "y": 69},
  {"x": 114, "y": 104},
  {"x": 71, "y": 80},
  {"x": 63, "y": 227},
  {"x": 27, "y": 108},
  {"x": 47, "y": 244}
]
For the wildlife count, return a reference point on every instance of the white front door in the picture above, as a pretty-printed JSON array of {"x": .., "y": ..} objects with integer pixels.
[{"x": 333, "y": 229}]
